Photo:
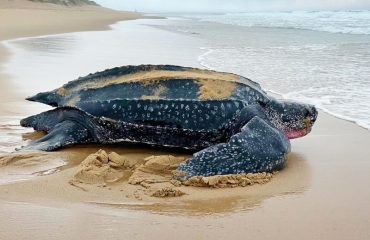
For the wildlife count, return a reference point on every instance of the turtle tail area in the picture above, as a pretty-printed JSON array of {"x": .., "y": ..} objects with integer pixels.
[{"x": 258, "y": 147}]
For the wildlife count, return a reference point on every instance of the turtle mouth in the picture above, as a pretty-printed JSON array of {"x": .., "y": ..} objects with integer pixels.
[
  {"x": 291, "y": 134},
  {"x": 297, "y": 133}
]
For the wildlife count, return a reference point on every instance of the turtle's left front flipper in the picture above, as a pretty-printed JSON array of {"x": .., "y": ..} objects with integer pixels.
[{"x": 258, "y": 147}]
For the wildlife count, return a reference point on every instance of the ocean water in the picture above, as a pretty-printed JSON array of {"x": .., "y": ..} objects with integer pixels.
[
  {"x": 321, "y": 58},
  {"x": 353, "y": 22}
]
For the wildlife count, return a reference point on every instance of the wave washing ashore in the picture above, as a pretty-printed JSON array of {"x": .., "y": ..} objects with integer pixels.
[
  {"x": 317, "y": 57},
  {"x": 352, "y": 22}
]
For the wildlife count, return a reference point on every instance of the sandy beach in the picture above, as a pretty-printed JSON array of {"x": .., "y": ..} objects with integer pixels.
[
  {"x": 21, "y": 18},
  {"x": 322, "y": 193}
]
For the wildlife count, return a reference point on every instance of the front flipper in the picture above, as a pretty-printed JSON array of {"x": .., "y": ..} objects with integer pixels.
[
  {"x": 257, "y": 148},
  {"x": 63, "y": 134}
]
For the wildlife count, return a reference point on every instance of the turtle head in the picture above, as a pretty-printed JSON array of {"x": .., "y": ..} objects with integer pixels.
[
  {"x": 293, "y": 118},
  {"x": 50, "y": 98}
]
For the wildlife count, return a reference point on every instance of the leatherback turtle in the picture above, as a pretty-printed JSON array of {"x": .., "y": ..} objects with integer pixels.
[{"x": 232, "y": 123}]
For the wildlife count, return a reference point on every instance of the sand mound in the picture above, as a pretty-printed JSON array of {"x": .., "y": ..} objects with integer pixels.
[
  {"x": 156, "y": 169},
  {"x": 156, "y": 174},
  {"x": 101, "y": 167}
]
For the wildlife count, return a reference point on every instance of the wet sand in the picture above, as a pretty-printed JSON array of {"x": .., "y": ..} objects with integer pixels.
[{"x": 323, "y": 193}]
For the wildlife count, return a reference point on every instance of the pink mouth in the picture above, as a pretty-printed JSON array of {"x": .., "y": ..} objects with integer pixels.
[{"x": 297, "y": 133}]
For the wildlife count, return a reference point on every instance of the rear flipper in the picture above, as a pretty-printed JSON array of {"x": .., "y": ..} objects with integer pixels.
[
  {"x": 64, "y": 126},
  {"x": 63, "y": 134},
  {"x": 257, "y": 148}
]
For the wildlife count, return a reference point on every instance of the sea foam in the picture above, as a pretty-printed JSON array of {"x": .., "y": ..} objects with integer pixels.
[{"x": 352, "y": 22}]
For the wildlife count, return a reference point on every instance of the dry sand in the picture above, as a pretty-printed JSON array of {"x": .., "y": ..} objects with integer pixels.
[
  {"x": 21, "y": 18},
  {"x": 323, "y": 193}
]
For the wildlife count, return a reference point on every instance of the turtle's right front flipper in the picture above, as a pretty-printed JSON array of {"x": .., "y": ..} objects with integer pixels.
[
  {"x": 64, "y": 126},
  {"x": 258, "y": 147}
]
